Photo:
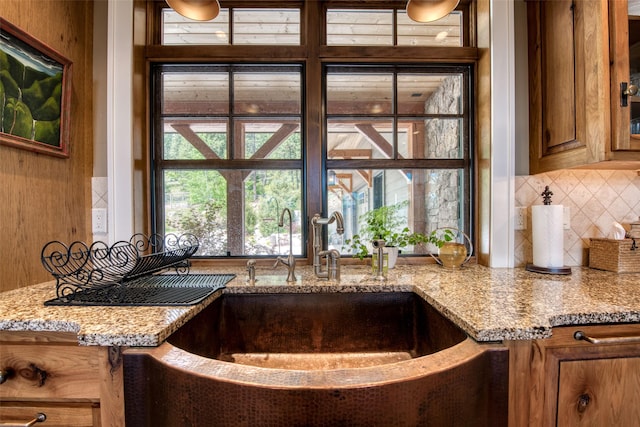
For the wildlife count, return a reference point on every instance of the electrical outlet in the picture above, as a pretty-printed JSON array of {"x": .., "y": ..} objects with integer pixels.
[
  {"x": 566, "y": 218},
  {"x": 521, "y": 218},
  {"x": 99, "y": 220}
]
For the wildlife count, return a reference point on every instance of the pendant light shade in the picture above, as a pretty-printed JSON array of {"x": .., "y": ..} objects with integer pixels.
[
  {"x": 198, "y": 10},
  {"x": 430, "y": 10}
]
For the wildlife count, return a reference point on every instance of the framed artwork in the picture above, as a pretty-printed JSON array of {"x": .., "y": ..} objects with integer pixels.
[{"x": 35, "y": 93}]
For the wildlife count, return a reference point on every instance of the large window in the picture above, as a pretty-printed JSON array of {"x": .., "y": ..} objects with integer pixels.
[
  {"x": 399, "y": 135},
  {"x": 237, "y": 138},
  {"x": 228, "y": 155}
]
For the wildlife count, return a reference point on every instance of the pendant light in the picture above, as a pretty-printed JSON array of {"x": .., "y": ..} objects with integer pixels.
[
  {"x": 430, "y": 10},
  {"x": 198, "y": 10}
]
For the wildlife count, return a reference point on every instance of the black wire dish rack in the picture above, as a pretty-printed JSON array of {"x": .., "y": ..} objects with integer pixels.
[{"x": 129, "y": 273}]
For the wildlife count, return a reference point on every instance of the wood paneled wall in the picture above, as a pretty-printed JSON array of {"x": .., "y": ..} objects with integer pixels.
[{"x": 44, "y": 198}]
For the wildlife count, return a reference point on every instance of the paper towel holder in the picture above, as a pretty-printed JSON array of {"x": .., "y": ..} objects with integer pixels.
[{"x": 546, "y": 199}]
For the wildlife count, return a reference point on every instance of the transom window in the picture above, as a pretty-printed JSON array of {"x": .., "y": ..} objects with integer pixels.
[
  {"x": 236, "y": 141},
  {"x": 234, "y": 26},
  {"x": 376, "y": 27}
]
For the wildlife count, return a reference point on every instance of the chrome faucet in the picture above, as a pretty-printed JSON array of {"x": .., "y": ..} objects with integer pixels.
[
  {"x": 289, "y": 261},
  {"x": 332, "y": 256}
]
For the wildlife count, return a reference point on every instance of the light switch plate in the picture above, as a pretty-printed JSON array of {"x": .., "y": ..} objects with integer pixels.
[{"x": 521, "y": 218}]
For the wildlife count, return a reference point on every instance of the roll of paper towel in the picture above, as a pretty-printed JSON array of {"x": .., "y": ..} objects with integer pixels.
[{"x": 548, "y": 235}]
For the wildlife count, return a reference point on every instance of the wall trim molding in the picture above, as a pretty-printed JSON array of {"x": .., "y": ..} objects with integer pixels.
[{"x": 119, "y": 119}]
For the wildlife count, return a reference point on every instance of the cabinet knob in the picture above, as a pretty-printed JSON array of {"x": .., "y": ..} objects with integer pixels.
[
  {"x": 5, "y": 374},
  {"x": 583, "y": 402},
  {"x": 40, "y": 418},
  {"x": 627, "y": 90}
]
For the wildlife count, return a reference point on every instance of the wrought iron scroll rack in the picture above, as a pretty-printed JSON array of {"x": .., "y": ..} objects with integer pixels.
[{"x": 79, "y": 268}]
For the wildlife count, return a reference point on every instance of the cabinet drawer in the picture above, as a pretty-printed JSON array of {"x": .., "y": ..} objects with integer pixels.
[
  {"x": 50, "y": 372},
  {"x": 80, "y": 415}
]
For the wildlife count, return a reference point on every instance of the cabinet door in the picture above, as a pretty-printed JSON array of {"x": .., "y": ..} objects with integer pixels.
[
  {"x": 625, "y": 70},
  {"x": 569, "y": 122},
  {"x": 599, "y": 392},
  {"x": 562, "y": 381},
  {"x": 556, "y": 57}
]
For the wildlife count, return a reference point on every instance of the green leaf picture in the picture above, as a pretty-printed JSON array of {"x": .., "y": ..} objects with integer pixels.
[{"x": 34, "y": 93}]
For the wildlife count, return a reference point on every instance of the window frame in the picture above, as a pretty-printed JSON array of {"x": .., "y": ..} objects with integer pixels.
[
  {"x": 314, "y": 55},
  {"x": 232, "y": 161},
  {"x": 465, "y": 163}
]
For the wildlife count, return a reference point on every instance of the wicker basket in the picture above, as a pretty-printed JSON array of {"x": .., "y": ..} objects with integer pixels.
[{"x": 615, "y": 255}]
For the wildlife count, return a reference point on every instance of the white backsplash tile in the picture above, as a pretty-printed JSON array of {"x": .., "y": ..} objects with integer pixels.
[
  {"x": 99, "y": 195},
  {"x": 596, "y": 199}
]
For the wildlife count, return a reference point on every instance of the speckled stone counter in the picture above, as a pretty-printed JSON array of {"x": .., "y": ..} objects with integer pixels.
[{"x": 489, "y": 304}]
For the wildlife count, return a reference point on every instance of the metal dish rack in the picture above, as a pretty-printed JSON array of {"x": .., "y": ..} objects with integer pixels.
[{"x": 123, "y": 273}]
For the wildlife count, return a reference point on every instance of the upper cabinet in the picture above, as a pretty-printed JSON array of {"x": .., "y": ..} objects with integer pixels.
[
  {"x": 624, "y": 45},
  {"x": 576, "y": 119}
]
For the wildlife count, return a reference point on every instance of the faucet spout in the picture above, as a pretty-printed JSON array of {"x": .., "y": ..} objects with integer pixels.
[
  {"x": 281, "y": 224},
  {"x": 290, "y": 260},
  {"x": 334, "y": 217}
]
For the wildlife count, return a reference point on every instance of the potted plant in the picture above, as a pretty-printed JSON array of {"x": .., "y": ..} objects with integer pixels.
[{"x": 386, "y": 223}]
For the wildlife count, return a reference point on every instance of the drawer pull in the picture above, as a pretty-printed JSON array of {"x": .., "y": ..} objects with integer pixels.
[
  {"x": 631, "y": 339},
  {"x": 5, "y": 374},
  {"x": 40, "y": 418}
]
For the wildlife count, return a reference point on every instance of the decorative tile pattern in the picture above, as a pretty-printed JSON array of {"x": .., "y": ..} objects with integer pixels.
[
  {"x": 595, "y": 198},
  {"x": 99, "y": 195}
]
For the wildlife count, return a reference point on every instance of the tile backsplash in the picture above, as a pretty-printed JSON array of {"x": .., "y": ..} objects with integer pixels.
[
  {"x": 99, "y": 196},
  {"x": 596, "y": 199}
]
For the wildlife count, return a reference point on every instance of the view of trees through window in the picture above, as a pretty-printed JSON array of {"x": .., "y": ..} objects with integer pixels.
[{"x": 196, "y": 200}]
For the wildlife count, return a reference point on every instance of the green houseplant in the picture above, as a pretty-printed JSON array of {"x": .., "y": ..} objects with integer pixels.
[{"x": 387, "y": 224}]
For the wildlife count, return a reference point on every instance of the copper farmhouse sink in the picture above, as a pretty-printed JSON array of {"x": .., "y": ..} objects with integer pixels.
[
  {"x": 317, "y": 359},
  {"x": 298, "y": 329}
]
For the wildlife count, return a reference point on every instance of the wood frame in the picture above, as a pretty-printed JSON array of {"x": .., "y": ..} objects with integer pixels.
[{"x": 41, "y": 100}]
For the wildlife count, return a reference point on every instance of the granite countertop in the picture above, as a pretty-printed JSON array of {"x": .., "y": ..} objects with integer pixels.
[{"x": 489, "y": 304}]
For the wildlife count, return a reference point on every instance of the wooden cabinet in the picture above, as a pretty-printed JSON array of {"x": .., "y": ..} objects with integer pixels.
[
  {"x": 564, "y": 382},
  {"x": 574, "y": 118},
  {"x": 606, "y": 392},
  {"x": 48, "y": 373},
  {"x": 625, "y": 70}
]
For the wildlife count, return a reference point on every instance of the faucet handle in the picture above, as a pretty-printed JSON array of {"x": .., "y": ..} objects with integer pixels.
[
  {"x": 278, "y": 261},
  {"x": 251, "y": 269}
]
